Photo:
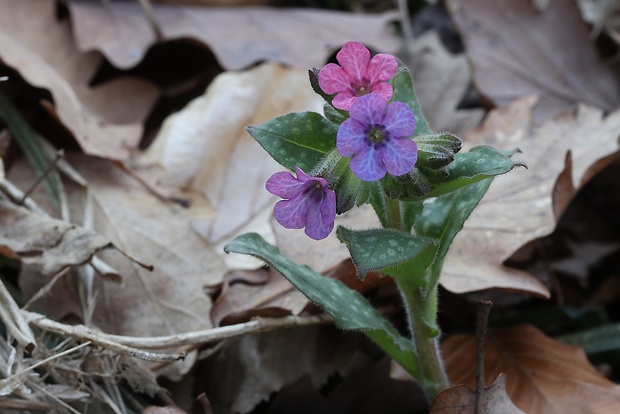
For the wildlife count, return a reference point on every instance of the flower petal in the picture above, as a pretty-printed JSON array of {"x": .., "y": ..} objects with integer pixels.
[
  {"x": 284, "y": 185},
  {"x": 399, "y": 120},
  {"x": 333, "y": 79},
  {"x": 400, "y": 155},
  {"x": 382, "y": 89},
  {"x": 292, "y": 213},
  {"x": 344, "y": 100},
  {"x": 368, "y": 164},
  {"x": 369, "y": 110},
  {"x": 321, "y": 215},
  {"x": 354, "y": 59},
  {"x": 382, "y": 67},
  {"x": 351, "y": 137}
]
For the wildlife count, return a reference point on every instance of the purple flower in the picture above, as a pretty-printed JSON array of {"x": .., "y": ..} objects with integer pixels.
[
  {"x": 375, "y": 136},
  {"x": 308, "y": 203},
  {"x": 357, "y": 75}
]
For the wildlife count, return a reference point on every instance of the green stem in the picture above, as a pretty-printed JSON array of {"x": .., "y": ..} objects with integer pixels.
[
  {"x": 422, "y": 311},
  {"x": 393, "y": 213},
  {"x": 421, "y": 305}
]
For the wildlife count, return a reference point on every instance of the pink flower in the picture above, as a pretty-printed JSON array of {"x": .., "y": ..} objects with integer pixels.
[
  {"x": 357, "y": 75},
  {"x": 375, "y": 136},
  {"x": 308, "y": 203}
]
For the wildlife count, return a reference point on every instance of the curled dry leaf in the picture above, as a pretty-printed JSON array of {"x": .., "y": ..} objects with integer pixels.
[
  {"x": 106, "y": 120},
  {"x": 543, "y": 375},
  {"x": 461, "y": 399},
  {"x": 44, "y": 242},
  {"x": 526, "y": 203},
  {"x": 168, "y": 300},
  {"x": 239, "y": 37},
  {"x": 517, "y": 51},
  {"x": 249, "y": 293}
]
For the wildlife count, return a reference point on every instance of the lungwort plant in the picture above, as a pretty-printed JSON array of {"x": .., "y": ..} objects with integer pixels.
[{"x": 373, "y": 145}]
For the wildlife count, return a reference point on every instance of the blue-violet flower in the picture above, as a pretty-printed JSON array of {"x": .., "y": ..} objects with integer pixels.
[
  {"x": 307, "y": 203},
  {"x": 375, "y": 136}
]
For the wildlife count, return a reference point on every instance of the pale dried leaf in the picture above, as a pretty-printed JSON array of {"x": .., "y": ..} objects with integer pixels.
[
  {"x": 542, "y": 375},
  {"x": 44, "y": 242},
  {"x": 106, "y": 120},
  {"x": 519, "y": 207},
  {"x": 239, "y": 37},
  {"x": 517, "y": 51},
  {"x": 441, "y": 81},
  {"x": 204, "y": 149}
]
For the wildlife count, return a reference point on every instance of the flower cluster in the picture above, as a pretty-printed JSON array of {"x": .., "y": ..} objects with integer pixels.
[{"x": 376, "y": 136}]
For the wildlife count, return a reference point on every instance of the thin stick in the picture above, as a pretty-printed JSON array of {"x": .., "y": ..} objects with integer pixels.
[
  {"x": 174, "y": 341},
  {"x": 484, "y": 307},
  {"x": 59, "y": 154},
  {"x": 14, "y": 320}
]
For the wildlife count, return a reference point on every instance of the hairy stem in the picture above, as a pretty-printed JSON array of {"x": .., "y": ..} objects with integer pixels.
[{"x": 422, "y": 312}]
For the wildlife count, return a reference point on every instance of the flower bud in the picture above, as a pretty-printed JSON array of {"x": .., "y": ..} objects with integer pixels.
[{"x": 436, "y": 150}]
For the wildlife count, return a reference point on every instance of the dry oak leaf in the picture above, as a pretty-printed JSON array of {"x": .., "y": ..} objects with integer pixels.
[
  {"x": 204, "y": 149},
  {"x": 49, "y": 244},
  {"x": 168, "y": 300},
  {"x": 106, "y": 120},
  {"x": 461, "y": 399},
  {"x": 543, "y": 376},
  {"x": 517, "y": 51},
  {"x": 239, "y": 37},
  {"x": 526, "y": 203}
]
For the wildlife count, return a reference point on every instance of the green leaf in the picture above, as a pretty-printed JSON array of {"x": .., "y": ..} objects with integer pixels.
[
  {"x": 31, "y": 145},
  {"x": 443, "y": 217},
  {"x": 404, "y": 92},
  {"x": 394, "y": 252},
  {"x": 296, "y": 139},
  {"x": 466, "y": 169},
  {"x": 594, "y": 341},
  {"x": 348, "y": 308}
]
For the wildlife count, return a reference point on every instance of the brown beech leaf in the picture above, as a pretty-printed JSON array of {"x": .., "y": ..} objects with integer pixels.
[
  {"x": 44, "y": 242},
  {"x": 543, "y": 376},
  {"x": 525, "y": 204},
  {"x": 461, "y": 399},
  {"x": 517, "y": 51},
  {"x": 441, "y": 81},
  {"x": 249, "y": 293},
  {"x": 239, "y": 37},
  {"x": 107, "y": 119},
  {"x": 168, "y": 300}
]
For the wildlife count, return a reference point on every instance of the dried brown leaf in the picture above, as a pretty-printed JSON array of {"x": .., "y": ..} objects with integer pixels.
[
  {"x": 441, "y": 81},
  {"x": 239, "y": 37},
  {"x": 44, "y": 242},
  {"x": 205, "y": 150},
  {"x": 542, "y": 375},
  {"x": 517, "y": 51},
  {"x": 107, "y": 119},
  {"x": 519, "y": 207},
  {"x": 168, "y": 300},
  {"x": 461, "y": 399},
  {"x": 249, "y": 293}
]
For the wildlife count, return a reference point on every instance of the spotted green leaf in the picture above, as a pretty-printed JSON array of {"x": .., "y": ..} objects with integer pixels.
[
  {"x": 297, "y": 139},
  {"x": 350, "y": 310}
]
